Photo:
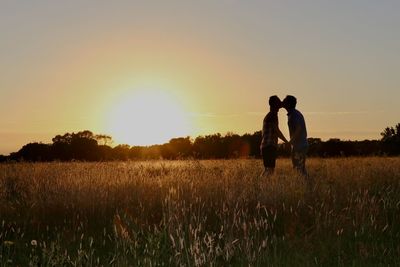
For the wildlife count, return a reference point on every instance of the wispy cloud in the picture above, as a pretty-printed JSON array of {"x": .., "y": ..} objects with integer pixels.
[
  {"x": 341, "y": 112},
  {"x": 214, "y": 115},
  {"x": 256, "y": 113},
  {"x": 259, "y": 113},
  {"x": 262, "y": 113},
  {"x": 204, "y": 114}
]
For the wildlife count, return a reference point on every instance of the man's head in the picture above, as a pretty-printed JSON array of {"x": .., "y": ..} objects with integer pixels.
[
  {"x": 275, "y": 103},
  {"x": 289, "y": 102}
]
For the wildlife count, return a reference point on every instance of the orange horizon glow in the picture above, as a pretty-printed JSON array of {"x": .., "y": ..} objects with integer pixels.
[{"x": 209, "y": 65}]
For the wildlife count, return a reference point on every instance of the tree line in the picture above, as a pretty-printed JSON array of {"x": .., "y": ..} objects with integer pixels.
[{"x": 87, "y": 146}]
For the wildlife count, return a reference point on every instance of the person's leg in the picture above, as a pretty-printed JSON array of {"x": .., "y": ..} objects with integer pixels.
[
  {"x": 269, "y": 158},
  {"x": 302, "y": 163},
  {"x": 293, "y": 157},
  {"x": 299, "y": 161}
]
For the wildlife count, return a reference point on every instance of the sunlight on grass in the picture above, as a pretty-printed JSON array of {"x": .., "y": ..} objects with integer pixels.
[{"x": 200, "y": 213}]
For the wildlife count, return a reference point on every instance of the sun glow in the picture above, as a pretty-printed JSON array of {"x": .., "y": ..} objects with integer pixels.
[{"x": 147, "y": 117}]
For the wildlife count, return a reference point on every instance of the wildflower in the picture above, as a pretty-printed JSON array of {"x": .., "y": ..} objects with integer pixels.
[
  {"x": 264, "y": 244},
  {"x": 34, "y": 243}
]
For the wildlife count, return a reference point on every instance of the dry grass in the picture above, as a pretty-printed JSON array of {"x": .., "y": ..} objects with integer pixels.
[{"x": 200, "y": 213}]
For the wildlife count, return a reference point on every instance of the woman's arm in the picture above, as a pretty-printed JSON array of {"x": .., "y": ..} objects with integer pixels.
[{"x": 280, "y": 135}]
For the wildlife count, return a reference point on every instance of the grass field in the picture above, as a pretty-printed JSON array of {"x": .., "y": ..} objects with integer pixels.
[{"x": 200, "y": 213}]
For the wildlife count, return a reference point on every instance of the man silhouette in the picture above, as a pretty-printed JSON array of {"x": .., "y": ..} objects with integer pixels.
[
  {"x": 298, "y": 134},
  {"x": 270, "y": 135}
]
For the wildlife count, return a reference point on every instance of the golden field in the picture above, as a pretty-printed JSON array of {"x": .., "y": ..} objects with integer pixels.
[{"x": 200, "y": 213}]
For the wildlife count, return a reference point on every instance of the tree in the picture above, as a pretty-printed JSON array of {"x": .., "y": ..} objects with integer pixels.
[
  {"x": 84, "y": 146},
  {"x": 35, "y": 152},
  {"x": 80, "y": 146},
  {"x": 391, "y": 140},
  {"x": 177, "y": 148},
  {"x": 121, "y": 152},
  {"x": 391, "y": 133}
]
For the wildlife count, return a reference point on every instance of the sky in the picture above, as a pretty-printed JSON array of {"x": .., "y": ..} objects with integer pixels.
[{"x": 209, "y": 66}]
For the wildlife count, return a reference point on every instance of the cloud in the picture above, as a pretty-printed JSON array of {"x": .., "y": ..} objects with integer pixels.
[
  {"x": 214, "y": 115},
  {"x": 259, "y": 113},
  {"x": 341, "y": 112},
  {"x": 256, "y": 113},
  {"x": 262, "y": 113}
]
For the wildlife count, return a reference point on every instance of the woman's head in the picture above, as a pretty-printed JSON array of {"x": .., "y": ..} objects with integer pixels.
[{"x": 275, "y": 103}]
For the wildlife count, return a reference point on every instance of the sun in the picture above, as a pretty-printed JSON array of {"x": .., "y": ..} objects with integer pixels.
[{"x": 147, "y": 117}]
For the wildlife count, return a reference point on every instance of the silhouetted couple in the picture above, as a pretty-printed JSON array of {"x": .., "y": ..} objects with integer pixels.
[{"x": 271, "y": 133}]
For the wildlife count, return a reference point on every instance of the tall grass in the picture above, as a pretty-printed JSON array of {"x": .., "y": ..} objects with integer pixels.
[{"x": 200, "y": 213}]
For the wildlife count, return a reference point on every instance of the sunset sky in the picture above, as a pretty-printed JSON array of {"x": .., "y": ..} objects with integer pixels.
[{"x": 146, "y": 71}]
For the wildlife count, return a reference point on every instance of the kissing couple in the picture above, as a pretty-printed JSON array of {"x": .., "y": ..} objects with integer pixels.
[{"x": 271, "y": 133}]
